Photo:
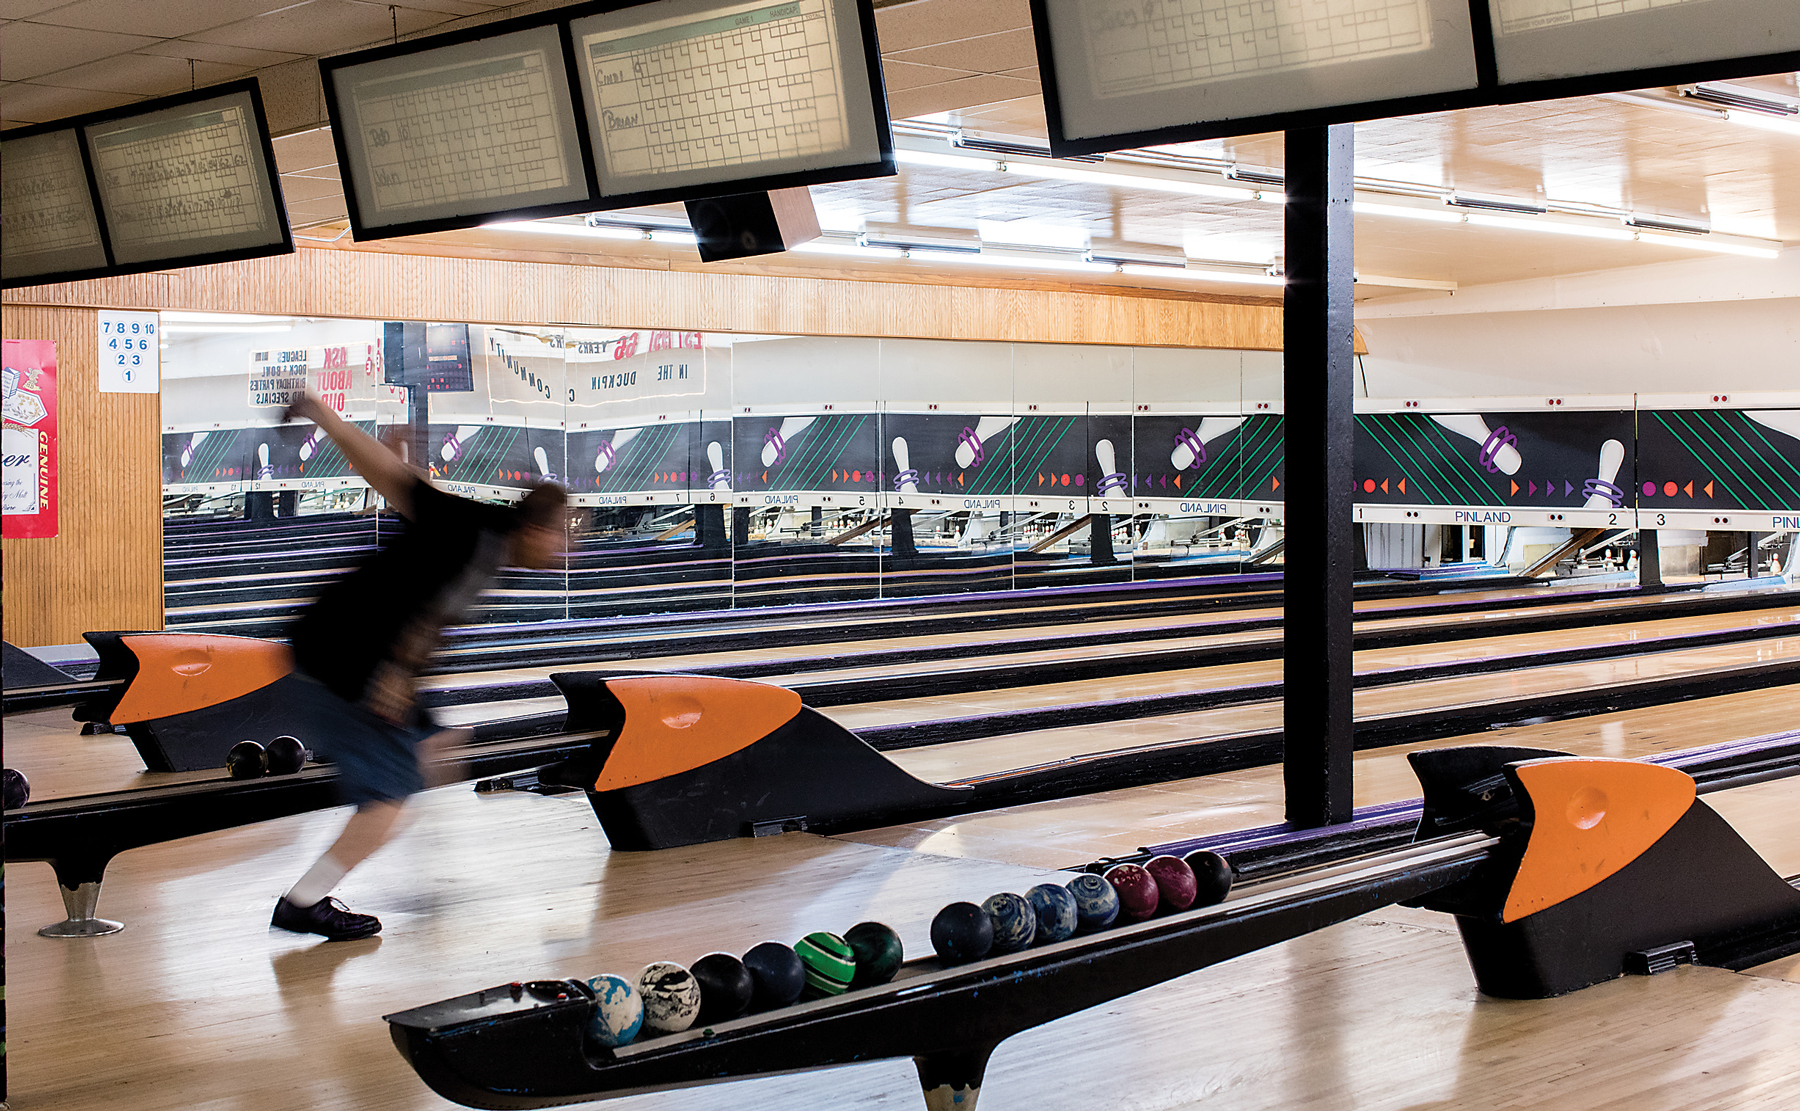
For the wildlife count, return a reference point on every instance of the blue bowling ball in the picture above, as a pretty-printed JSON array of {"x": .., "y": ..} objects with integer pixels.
[
  {"x": 1056, "y": 913},
  {"x": 1015, "y": 922},
  {"x": 618, "y": 1011},
  {"x": 1096, "y": 903}
]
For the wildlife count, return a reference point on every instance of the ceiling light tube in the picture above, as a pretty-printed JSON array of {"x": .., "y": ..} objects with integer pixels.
[
  {"x": 1708, "y": 243},
  {"x": 1126, "y": 181},
  {"x": 584, "y": 231},
  {"x": 850, "y": 250},
  {"x": 944, "y": 161},
  {"x": 1764, "y": 123},
  {"x": 1550, "y": 225},
  {"x": 1495, "y": 204},
  {"x": 1434, "y": 214},
  {"x": 1189, "y": 273}
]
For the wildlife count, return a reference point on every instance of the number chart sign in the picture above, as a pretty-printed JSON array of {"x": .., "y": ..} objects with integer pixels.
[
  {"x": 130, "y": 354},
  {"x": 30, "y": 438}
]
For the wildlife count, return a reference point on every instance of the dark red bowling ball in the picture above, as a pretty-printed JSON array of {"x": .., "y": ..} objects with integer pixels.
[
  {"x": 1138, "y": 897},
  {"x": 1175, "y": 882},
  {"x": 1212, "y": 876},
  {"x": 286, "y": 756}
]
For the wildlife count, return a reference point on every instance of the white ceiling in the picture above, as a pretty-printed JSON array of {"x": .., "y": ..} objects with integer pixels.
[{"x": 970, "y": 65}]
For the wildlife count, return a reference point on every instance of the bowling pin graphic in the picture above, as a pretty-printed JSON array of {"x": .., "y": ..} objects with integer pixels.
[
  {"x": 1602, "y": 492},
  {"x": 1786, "y": 421},
  {"x": 455, "y": 443},
  {"x": 1190, "y": 443},
  {"x": 720, "y": 478},
  {"x": 263, "y": 470},
  {"x": 906, "y": 480},
  {"x": 608, "y": 453},
  {"x": 543, "y": 463},
  {"x": 973, "y": 448},
  {"x": 311, "y": 444},
  {"x": 1497, "y": 450},
  {"x": 187, "y": 453},
  {"x": 775, "y": 443},
  {"x": 1112, "y": 483}
]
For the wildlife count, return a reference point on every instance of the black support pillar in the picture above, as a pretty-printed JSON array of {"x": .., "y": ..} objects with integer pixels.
[{"x": 1318, "y": 376}]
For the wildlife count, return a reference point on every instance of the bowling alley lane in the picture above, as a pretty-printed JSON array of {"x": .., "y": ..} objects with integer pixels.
[{"x": 1064, "y": 832}]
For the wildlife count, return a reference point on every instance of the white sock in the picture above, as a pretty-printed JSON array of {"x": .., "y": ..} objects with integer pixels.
[{"x": 318, "y": 882}]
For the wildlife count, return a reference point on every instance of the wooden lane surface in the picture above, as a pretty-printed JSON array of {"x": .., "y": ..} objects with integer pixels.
[{"x": 198, "y": 1005}]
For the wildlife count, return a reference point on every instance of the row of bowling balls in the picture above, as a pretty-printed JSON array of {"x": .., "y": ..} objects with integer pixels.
[
  {"x": 1009, "y": 923},
  {"x": 667, "y": 998},
  {"x": 253, "y": 760}
]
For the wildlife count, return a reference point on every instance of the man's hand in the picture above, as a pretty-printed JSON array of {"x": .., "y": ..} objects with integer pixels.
[
  {"x": 380, "y": 468},
  {"x": 305, "y": 407}
]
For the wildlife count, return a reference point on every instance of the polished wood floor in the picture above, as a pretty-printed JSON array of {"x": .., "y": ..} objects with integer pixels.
[{"x": 198, "y": 1005}]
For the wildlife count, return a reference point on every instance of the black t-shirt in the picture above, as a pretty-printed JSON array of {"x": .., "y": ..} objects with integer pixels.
[{"x": 371, "y": 633}]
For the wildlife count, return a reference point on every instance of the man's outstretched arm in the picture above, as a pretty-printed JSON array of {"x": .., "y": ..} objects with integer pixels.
[{"x": 380, "y": 468}]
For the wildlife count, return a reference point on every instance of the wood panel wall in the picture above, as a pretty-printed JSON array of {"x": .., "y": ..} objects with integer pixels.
[
  {"x": 378, "y": 284},
  {"x": 104, "y": 568}
]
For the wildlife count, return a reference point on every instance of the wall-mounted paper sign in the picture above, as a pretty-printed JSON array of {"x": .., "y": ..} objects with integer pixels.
[
  {"x": 130, "y": 353},
  {"x": 29, "y": 499}
]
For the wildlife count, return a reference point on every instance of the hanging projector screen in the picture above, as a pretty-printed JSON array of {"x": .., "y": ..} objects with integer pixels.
[
  {"x": 693, "y": 98},
  {"x": 434, "y": 137},
  {"x": 1117, "y": 73},
  {"x": 1549, "y": 40}
]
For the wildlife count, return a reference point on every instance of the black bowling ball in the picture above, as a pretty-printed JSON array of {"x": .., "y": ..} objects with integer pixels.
[
  {"x": 725, "y": 987},
  {"x": 247, "y": 760},
  {"x": 18, "y": 789},
  {"x": 777, "y": 974},
  {"x": 286, "y": 755},
  {"x": 1212, "y": 877}
]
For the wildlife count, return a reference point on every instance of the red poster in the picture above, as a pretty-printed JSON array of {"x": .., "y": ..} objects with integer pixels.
[{"x": 30, "y": 438}]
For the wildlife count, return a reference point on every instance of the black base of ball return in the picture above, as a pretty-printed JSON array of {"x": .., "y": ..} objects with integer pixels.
[{"x": 1562, "y": 872}]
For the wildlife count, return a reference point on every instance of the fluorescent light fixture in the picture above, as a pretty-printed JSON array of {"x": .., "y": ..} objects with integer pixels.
[
  {"x": 1124, "y": 250},
  {"x": 1436, "y": 215},
  {"x": 674, "y": 237},
  {"x": 1494, "y": 204},
  {"x": 1034, "y": 168},
  {"x": 1777, "y": 124},
  {"x": 876, "y": 233},
  {"x": 222, "y": 329},
  {"x": 1739, "y": 98},
  {"x": 1191, "y": 273},
  {"x": 1665, "y": 223},
  {"x": 179, "y": 316},
  {"x": 1031, "y": 233},
  {"x": 1708, "y": 243},
  {"x": 1014, "y": 260},
  {"x": 580, "y": 231},
  {"x": 1549, "y": 225},
  {"x": 849, "y": 250},
  {"x": 945, "y": 161}
]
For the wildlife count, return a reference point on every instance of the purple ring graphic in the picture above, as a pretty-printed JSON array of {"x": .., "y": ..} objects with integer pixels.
[
  {"x": 719, "y": 480},
  {"x": 905, "y": 477},
  {"x": 1110, "y": 483},
  {"x": 450, "y": 441},
  {"x": 1189, "y": 439},
  {"x": 1614, "y": 493},
  {"x": 607, "y": 452},
  {"x": 773, "y": 436},
  {"x": 968, "y": 437},
  {"x": 1496, "y": 440}
]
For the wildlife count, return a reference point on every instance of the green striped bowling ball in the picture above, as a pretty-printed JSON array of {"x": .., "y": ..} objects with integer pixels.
[
  {"x": 878, "y": 953},
  {"x": 830, "y": 964}
]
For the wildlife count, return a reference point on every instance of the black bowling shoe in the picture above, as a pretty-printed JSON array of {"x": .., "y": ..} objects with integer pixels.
[{"x": 327, "y": 917}]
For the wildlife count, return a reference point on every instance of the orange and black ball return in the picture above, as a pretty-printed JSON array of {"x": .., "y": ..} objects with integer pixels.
[{"x": 1562, "y": 872}]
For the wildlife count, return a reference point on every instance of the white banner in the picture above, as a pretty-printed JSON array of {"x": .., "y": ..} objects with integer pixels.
[{"x": 343, "y": 376}]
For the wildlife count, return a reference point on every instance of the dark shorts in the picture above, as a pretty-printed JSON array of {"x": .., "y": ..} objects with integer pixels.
[{"x": 377, "y": 761}]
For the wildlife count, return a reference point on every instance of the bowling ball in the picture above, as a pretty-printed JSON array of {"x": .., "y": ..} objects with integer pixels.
[
  {"x": 618, "y": 1011},
  {"x": 878, "y": 953},
  {"x": 1138, "y": 897},
  {"x": 725, "y": 987},
  {"x": 246, "y": 760},
  {"x": 17, "y": 788},
  {"x": 671, "y": 997},
  {"x": 1096, "y": 903},
  {"x": 1175, "y": 882},
  {"x": 962, "y": 932},
  {"x": 830, "y": 964},
  {"x": 1056, "y": 912},
  {"x": 777, "y": 975},
  {"x": 1015, "y": 922},
  {"x": 286, "y": 756},
  {"x": 1212, "y": 876}
]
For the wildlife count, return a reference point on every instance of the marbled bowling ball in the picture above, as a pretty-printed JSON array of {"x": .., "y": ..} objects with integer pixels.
[
  {"x": 962, "y": 932},
  {"x": 776, "y": 974},
  {"x": 1138, "y": 897},
  {"x": 618, "y": 1011},
  {"x": 1175, "y": 882},
  {"x": 1015, "y": 923},
  {"x": 1056, "y": 912},
  {"x": 725, "y": 987},
  {"x": 830, "y": 964},
  {"x": 18, "y": 789},
  {"x": 671, "y": 997},
  {"x": 878, "y": 953},
  {"x": 246, "y": 760},
  {"x": 1212, "y": 876},
  {"x": 1096, "y": 903}
]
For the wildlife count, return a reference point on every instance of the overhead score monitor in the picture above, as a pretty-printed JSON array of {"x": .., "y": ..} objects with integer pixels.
[
  {"x": 688, "y": 99},
  {"x": 607, "y": 106},
  {"x": 179, "y": 181},
  {"x": 1128, "y": 73}
]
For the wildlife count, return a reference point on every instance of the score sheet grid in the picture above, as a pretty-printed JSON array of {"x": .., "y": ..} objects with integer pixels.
[
  {"x": 752, "y": 85},
  {"x": 1530, "y": 15},
  {"x": 462, "y": 132},
  {"x": 175, "y": 180},
  {"x": 1150, "y": 45},
  {"x": 44, "y": 203}
]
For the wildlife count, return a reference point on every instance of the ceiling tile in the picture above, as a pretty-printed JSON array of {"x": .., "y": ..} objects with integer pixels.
[
  {"x": 980, "y": 89},
  {"x": 321, "y": 26},
  {"x": 163, "y": 19},
  {"x": 307, "y": 150},
  {"x": 926, "y": 22},
  {"x": 226, "y": 55},
  {"x": 899, "y": 76},
  {"x": 309, "y": 191},
  {"x": 30, "y": 50},
  {"x": 451, "y": 7},
  {"x": 982, "y": 54},
  {"x": 41, "y": 103},
  {"x": 25, "y": 9},
  {"x": 143, "y": 74}
]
